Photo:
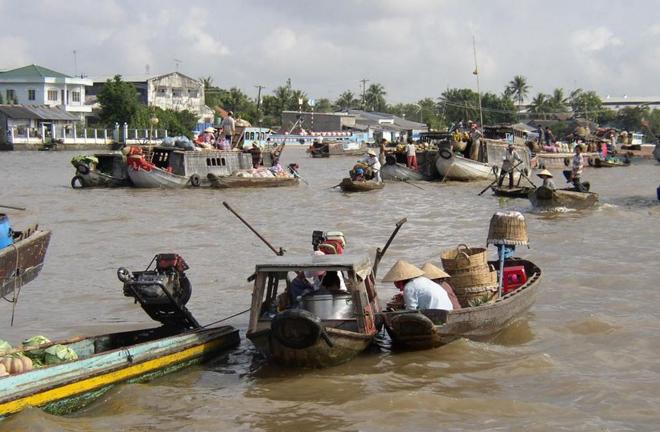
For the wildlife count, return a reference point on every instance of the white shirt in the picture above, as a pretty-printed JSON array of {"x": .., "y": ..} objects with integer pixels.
[
  {"x": 411, "y": 150},
  {"x": 228, "y": 125},
  {"x": 372, "y": 161},
  {"x": 422, "y": 293}
]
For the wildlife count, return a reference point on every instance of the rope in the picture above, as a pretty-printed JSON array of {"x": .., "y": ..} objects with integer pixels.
[{"x": 225, "y": 319}]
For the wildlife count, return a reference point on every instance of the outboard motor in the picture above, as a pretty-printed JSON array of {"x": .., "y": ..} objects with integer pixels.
[{"x": 163, "y": 291}]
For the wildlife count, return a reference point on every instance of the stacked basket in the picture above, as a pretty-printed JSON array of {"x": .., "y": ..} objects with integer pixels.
[{"x": 474, "y": 281}]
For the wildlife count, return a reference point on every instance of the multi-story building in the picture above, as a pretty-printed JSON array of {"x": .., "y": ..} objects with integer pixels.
[{"x": 37, "y": 85}]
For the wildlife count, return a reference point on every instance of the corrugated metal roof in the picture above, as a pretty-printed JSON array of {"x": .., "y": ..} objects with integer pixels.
[
  {"x": 32, "y": 71},
  {"x": 36, "y": 112}
]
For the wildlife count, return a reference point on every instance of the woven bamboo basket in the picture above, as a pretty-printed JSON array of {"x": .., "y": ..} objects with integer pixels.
[
  {"x": 463, "y": 258},
  {"x": 477, "y": 296},
  {"x": 474, "y": 278},
  {"x": 507, "y": 228}
]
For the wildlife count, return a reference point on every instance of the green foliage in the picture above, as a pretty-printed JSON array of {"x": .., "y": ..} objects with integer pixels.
[
  {"x": 323, "y": 105},
  {"x": 374, "y": 98},
  {"x": 346, "y": 101},
  {"x": 630, "y": 118},
  {"x": 517, "y": 89},
  {"x": 119, "y": 102}
]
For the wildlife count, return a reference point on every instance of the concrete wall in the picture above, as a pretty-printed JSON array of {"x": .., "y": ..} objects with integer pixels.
[
  {"x": 176, "y": 92},
  {"x": 321, "y": 122}
]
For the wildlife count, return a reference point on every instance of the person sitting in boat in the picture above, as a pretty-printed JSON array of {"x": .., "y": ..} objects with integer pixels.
[
  {"x": 419, "y": 292},
  {"x": 440, "y": 277},
  {"x": 547, "y": 179},
  {"x": 371, "y": 160},
  {"x": 358, "y": 174},
  {"x": 509, "y": 161}
]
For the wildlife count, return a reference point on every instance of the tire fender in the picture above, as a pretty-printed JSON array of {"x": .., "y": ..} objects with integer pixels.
[
  {"x": 77, "y": 182},
  {"x": 445, "y": 154},
  {"x": 296, "y": 328},
  {"x": 194, "y": 180}
]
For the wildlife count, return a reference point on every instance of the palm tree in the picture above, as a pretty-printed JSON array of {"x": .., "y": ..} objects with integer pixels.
[
  {"x": 375, "y": 98},
  {"x": 518, "y": 89},
  {"x": 540, "y": 104},
  {"x": 557, "y": 101},
  {"x": 346, "y": 101},
  {"x": 207, "y": 81}
]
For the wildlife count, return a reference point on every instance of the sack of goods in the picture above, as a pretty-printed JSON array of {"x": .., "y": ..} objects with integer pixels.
[{"x": 473, "y": 279}]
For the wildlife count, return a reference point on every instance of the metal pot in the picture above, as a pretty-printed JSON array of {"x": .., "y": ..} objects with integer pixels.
[{"x": 328, "y": 306}]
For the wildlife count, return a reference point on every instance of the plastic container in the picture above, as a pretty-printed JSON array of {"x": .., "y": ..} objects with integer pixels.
[
  {"x": 514, "y": 278},
  {"x": 6, "y": 238}
]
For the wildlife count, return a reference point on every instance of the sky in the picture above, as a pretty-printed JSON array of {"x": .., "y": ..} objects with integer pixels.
[{"x": 414, "y": 48}]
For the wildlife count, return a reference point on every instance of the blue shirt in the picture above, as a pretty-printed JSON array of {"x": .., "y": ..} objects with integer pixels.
[{"x": 422, "y": 293}]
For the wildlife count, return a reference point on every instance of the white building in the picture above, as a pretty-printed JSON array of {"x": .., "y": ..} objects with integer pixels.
[
  {"x": 174, "y": 91},
  {"x": 36, "y": 85}
]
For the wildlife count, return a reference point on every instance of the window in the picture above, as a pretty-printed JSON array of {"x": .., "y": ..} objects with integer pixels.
[
  {"x": 177, "y": 92},
  {"x": 162, "y": 91},
  {"x": 52, "y": 95},
  {"x": 193, "y": 93},
  {"x": 75, "y": 96},
  {"x": 32, "y": 95},
  {"x": 11, "y": 96}
]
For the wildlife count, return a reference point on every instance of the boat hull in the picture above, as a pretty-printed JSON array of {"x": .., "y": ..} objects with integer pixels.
[
  {"x": 95, "y": 179},
  {"x": 543, "y": 197},
  {"x": 478, "y": 321},
  {"x": 346, "y": 346},
  {"x": 600, "y": 163},
  {"x": 21, "y": 262},
  {"x": 251, "y": 182},
  {"x": 156, "y": 178},
  {"x": 348, "y": 185},
  {"x": 559, "y": 160},
  {"x": 454, "y": 167},
  {"x": 400, "y": 172},
  {"x": 515, "y": 192},
  {"x": 65, "y": 387}
]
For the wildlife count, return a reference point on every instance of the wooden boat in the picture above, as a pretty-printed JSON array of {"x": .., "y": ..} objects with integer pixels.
[
  {"x": 560, "y": 160},
  {"x": 238, "y": 182},
  {"x": 108, "y": 170},
  {"x": 326, "y": 327},
  {"x": 396, "y": 171},
  {"x": 433, "y": 328},
  {"x": 348, "y": 185},
  {"x": 547, "y": 198},
  {"x": 171, "y": 167},
  {"x": 610, "y": 163},
  {"x": 514, "y": 192},
  {"x": 454, "y": 167},
  {"x": 22, "y": 261},
  {"x": 106, "y": 360}
]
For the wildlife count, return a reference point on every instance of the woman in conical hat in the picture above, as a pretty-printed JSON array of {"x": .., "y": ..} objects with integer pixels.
[
  {"x": 439, "y": 276},
  {"x": 547, "y": 179},
  {"x": 419, "y": 292}
]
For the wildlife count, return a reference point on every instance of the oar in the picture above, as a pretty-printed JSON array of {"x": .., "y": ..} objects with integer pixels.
[
  {"x": 296, "y": 174},
  {"x": 279, "y": 252},
  {"x": 381, "y": 252},
  {"x": 496, "y": 180},
  {"x": 12, "y": 207},
  {"x": 411, "y": 184}
]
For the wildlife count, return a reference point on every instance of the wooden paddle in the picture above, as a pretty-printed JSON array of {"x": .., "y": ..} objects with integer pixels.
[
  {"x": 411, "y": 184},
  {"x": 13, "y": 208},
  {"x": 496, "y": 180},
  {"x": 279, "y": 252},
  {"x": 381, "y": 252}
]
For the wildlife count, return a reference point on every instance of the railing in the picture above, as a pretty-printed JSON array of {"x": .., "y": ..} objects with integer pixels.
[{"x": 70, "y": 134}]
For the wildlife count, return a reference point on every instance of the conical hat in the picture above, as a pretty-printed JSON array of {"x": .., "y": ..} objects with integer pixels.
[
  {"x": 371, "y": 152},
  {"x": 545, "y": 172},
  {"x": 402, "y": 270},
  {"x": 434, "y": 272}
]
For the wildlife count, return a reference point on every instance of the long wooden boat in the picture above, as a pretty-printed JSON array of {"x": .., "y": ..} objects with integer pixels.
[
  {"x": 454, "y": 167},
  {"x": 156, "y": 178},
  {"x": 543, "y": 197},
  {"x": 514, "y": 192},
  {"x": 111, "y": 170},
  {"x": 348, "y": 185},
  {"x": 251, "y": 182},
  {"x": 610, "y": 163},
  {"x": 107, "y": 360},
  {"x": 324, "y": 328},
  {"x": 560, "y": 160},
  {"x": 22, "y": 261},
  {"x": 433, "y": 328}
]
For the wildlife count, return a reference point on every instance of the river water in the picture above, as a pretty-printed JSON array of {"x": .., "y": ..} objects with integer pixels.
[{"x": 584, "y": 358}]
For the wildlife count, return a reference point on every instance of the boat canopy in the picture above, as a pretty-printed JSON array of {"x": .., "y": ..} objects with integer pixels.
[{"x": 360, "y": 264}]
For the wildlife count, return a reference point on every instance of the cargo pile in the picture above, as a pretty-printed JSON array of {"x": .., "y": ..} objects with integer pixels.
[{"x": 473, "y": 279}]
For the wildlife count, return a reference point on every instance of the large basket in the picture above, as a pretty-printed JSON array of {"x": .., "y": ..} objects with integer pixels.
[
  {"x": 507, "y": 228},
  {"x": 476, "y": 277},
  {"x": 463, "y": 258},
  {"x": 476, "y": 296}
]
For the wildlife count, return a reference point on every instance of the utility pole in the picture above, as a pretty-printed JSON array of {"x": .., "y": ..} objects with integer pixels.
[
  {"x": 364, "y": 91},
  {"x": 259, "y": 87},
  {"x": 476, "y": 72}
]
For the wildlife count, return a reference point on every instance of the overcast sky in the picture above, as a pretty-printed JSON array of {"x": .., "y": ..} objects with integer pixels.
[{"x": 414, "y": 48}]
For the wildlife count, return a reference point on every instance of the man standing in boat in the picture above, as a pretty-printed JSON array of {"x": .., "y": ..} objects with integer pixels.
[
  {"x": 419, "y": 292},
  {"x": 411, "y": 156},
  {"x": 228, "y": 126},
  {"x": 508, "y": 165},
  {"x": 576, "y": 169}
]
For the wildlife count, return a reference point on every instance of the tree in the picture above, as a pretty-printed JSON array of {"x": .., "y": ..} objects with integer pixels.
[
  {"x": 119, "y": 102},
  {"x": 459, "y": 105},
  {"x": 497, "y": 109},
  {"x": 557, "y": 101},
  {"x": 323, "y": 105},
  {"x": 517, "y": 89},
  {"x": 631, "y": 118},
  {"x": 375, "y": 98},
  {"x": 346, "y": 101},
  {"x": 207, "y": 81},
  {"x": 539, "y": 105}
]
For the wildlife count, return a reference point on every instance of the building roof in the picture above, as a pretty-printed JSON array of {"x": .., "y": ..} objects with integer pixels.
[
  {"x": 139, "y": 78},
  {"x": 32, "y": 71},
  {"x": 36, "y": 112},
  {"x": 392, "y": 122}
]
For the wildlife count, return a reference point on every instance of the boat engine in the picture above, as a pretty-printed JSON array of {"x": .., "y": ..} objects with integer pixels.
[{"x": 162, "y": 291}]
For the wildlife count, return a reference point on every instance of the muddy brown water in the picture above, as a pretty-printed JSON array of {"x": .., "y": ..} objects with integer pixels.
[{"x": 584, "y": 358}]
